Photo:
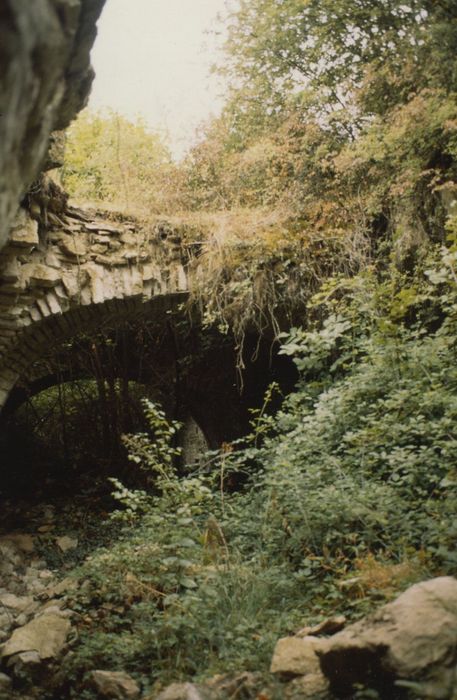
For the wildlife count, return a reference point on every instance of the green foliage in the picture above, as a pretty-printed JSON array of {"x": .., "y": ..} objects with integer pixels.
[
  {"x": 342, "y": 116},
  {"x": 311, "y": 349},
  {"x": 171, "y": 585},
  {"x": 355, "y": 476},
  {"x": 154, "y": 454},
  {"x": 111, "y": 159},
  {"x": 276, "y": 49},
  {"x": 339, "y": 141}
]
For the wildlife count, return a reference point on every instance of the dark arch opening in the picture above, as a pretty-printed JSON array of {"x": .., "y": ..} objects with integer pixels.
[{"x": 60, "y": 431}]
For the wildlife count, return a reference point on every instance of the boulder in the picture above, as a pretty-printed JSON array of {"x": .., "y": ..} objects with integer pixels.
[
  {"x": 180, "y": 691},
  {"x": 114, "y": 684},
  {"x": 411, "y": 639},
  {"x": 45, "y": 635},
  {"x": 295, "y": 656},
  {"x": 313, "y": 686}
]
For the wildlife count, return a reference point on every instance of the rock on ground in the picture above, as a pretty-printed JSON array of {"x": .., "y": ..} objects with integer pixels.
[
  {"x": 329, "y": 626},
  {"x": 296, "y": 656},
  {"x": 413, "y": 638},
  {"x": 115, "y": 685},
  {"x": 313, "y": 686},
  {"x": 45, "y": 635},
  {"x": 180, "y": 691}
]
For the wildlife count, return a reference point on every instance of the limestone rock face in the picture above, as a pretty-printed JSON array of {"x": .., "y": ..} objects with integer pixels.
[
  {"x": 46, "y": 77},
  {"x": 413, "y": 638}
]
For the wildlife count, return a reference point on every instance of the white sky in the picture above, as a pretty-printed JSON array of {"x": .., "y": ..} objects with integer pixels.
[{"x": 153, "y": 58}]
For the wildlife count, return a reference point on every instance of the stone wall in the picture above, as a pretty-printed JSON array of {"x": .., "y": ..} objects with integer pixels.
[
  {"x": 46, "y": 78},
  {"x": 88, "y": 271}
]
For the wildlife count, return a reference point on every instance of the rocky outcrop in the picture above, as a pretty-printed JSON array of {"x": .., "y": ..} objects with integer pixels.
[
  {"x": 410, "y": 643},
  {"x": 46, "y": 78}
]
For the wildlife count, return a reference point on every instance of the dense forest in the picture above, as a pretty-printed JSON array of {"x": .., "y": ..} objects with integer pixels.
[{"x": 324, "y": 201}]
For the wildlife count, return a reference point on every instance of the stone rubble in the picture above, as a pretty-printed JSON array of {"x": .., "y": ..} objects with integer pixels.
[
  {"x": 34, "y": 620},
  {"x": 410, "y": 642}
]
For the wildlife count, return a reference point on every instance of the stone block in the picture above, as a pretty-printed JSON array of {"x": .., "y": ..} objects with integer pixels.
[
  {"x": 296, "y": 656},
  {"x": 73, "y": 246},
  {"x": 24, "y": 233},
  {"x": 43, "y": 276}
]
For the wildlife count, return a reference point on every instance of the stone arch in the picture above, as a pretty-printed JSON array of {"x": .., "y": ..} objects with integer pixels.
[
  {"x": 91, "y": 273},
  {"x": 40, "y": 337}
]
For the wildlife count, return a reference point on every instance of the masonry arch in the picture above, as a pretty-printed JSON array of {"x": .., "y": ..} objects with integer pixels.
[{"x": 90, "y": 273}]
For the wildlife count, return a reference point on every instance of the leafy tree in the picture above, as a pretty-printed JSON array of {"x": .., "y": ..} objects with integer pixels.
[
  {"x": 112, "y": 159},
  {"x": 276, "y": 49}
]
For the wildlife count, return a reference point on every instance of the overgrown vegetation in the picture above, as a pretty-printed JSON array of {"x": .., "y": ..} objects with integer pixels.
[
  {"x": 326, "y": 199},
  {"x": 340, "y": 131},
  {"x": 351, "y": 495},
  {"x": 113, "y": 160}
]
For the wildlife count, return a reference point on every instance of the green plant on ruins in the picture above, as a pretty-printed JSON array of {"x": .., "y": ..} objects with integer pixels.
[
  {"x": 337, "y": 233},
  {"x": 155, "y": 455},
  {"x": 353, "y": 479}
]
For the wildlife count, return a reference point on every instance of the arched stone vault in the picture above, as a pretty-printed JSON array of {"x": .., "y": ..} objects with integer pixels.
[{"x": 89, "y": 272}]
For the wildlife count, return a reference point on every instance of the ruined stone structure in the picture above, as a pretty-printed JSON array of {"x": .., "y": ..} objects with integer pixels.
[
  {"x": 63, "y": 272},
  {"x": 90, "y": 272}
]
